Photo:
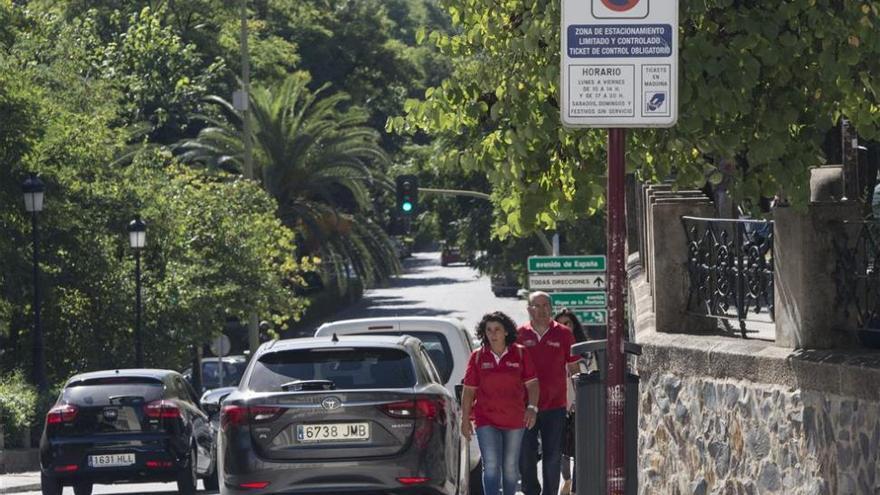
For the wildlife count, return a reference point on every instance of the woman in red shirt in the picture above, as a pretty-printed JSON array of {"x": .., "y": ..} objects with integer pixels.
[{"x": 501, "y": 393}]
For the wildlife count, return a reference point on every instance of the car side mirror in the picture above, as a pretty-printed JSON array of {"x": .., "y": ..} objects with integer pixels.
[{"x": 459, "y": 388}]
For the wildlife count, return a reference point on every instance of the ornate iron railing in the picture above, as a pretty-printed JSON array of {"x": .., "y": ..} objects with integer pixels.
[
  {"x": 857, "y": 272},
  {"x": 730, "y": 267}
]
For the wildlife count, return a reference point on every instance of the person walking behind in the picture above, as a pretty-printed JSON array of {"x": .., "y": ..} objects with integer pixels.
[
  {"x": 501, "y": 393},
  {"x": 569, "y": 484},
  {"x": 549, "y": 343}
]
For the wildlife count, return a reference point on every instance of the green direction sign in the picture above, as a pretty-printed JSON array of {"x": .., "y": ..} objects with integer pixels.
[
  {"x": 579, "y": 299},
  {"x": 591, "y": 317},
  {"x": 587, "y": 263}
]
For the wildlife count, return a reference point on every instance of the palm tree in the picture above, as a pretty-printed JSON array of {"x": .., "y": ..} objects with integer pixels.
[{"x": 319, "y": 161}]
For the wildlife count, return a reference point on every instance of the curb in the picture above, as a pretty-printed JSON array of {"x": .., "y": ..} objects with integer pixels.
[{"x": 21, "y": 489}]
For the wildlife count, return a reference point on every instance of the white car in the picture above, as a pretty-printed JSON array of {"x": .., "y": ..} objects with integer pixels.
[{"x": 448, "y": 344}]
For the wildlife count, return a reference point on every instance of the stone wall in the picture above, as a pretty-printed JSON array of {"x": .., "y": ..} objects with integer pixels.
[
  {"x": 724, "y": 415},
  {"x": 708, "y": 436}
]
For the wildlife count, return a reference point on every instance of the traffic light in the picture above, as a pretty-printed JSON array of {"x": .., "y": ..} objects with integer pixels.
[{"x": 407, "y": 194}]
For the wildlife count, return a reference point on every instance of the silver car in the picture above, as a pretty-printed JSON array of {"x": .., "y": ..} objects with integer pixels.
[{"x": 348, "y": 414}]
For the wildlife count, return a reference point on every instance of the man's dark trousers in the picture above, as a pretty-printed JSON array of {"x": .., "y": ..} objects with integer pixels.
[{"x": 550, "y": 425}]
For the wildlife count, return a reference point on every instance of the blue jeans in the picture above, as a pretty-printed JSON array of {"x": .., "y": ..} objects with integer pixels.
[
  {"x": 550, "y": 425},
  {"x": 500, "y": 452}
]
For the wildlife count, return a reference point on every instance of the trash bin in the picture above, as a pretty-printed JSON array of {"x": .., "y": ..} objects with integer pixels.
[{"x": 591, "y": 423}]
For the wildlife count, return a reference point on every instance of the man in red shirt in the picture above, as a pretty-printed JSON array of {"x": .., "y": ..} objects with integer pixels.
[{"x": 549, "y": 344}]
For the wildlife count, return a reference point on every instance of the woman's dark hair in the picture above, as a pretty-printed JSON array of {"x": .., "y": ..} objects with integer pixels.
[
  {"x": 504, "y": 320},
  {"x": 577, "y": 328}
]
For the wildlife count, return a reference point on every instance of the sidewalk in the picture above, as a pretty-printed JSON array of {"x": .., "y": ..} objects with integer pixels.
[{"x": 20, "y": 482}]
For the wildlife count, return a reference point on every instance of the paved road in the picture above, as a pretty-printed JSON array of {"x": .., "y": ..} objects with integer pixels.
[
  {"x": 424, "y": 289},
  {"x": 428, "y": 289}
]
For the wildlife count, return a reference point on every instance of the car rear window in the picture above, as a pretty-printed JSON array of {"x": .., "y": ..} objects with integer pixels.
[
  {"x": 348, "y": 368},
  {"x": 436, "y": 345},
  {"x": 115, "y": 390},
  {"x": 231, "y": 374}
]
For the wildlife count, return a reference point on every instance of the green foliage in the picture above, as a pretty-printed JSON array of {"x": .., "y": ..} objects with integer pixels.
[
  {"x": 317, "y": 159},
  {"x": 161, "y": 79},
  {"x": 215, "y": 246},
  {"x": 18, "y": 405},
  {"x": 761, "y": 82}
]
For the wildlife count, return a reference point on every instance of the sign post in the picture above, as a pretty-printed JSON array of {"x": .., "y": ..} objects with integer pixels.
[
  {"x": 584, "y": 278},
  {"x": 619, "y": 69},
  {"x": 619, "y": 63}
]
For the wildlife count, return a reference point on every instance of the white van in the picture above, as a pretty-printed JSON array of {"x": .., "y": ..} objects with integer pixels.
[{"x": 448, "y": 344}]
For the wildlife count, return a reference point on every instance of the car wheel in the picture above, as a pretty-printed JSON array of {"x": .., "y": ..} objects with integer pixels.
[
  {"x": 212, "y": 481},
  {"x": 82, "y": 488},
  {"x": 186, "y": 478},
  {"x": 49, "y": 485},
  {"x": 476, "y": 480}
]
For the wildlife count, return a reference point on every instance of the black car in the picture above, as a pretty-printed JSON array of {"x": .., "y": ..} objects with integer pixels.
[
  {"x": 135, "y": 425},
  {"x": 505, "y": 284},
  {"x": 349, "y": 414}
]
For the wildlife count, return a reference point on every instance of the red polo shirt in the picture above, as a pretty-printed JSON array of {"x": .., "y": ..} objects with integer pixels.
[
  {"x": 501, "y": 395},
  {"x": 553, "y": 352}
]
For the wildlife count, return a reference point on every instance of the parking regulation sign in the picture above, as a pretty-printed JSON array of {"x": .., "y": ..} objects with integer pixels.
[{"x": 619, "y": 63}]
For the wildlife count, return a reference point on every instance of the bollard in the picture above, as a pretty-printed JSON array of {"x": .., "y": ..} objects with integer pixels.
[{"x": 590, "y": 422}]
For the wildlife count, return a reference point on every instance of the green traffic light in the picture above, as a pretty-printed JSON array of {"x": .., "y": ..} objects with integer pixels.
[{"x": 406, "y": 206}]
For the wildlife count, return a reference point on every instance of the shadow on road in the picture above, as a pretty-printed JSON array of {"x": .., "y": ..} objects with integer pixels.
[
  {"x": 420, "y": 262},
  {"x": 422, "y": 282}
]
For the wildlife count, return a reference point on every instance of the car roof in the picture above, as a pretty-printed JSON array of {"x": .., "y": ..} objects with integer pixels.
[
  {"x": 395, "y": 341},
  {"x": 401, "y": 323},
  {"x": 226, "y": 359},
  {"x": 134, "y": 372}
]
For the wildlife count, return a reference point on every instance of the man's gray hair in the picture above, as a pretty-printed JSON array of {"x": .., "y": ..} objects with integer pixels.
[{"x": 536, "y": 294}]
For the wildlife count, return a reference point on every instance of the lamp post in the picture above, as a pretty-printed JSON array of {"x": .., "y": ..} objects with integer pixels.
[
  {"x": 33, "y": 189},
  {"x": 137, "y": 237}
]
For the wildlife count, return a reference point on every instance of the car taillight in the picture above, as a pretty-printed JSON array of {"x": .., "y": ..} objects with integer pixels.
[
  {"x": 235, "y": 415},
  {"x": 404, "y": 409},
  {"x": 163, "y": 409},
  {"x": 64, "y": 413},
  {"x": 413, "y": 480},
  {"x": 419, "y": 408},
  {"x": 254, "y": 485},
  {"x": 259, "y": 414},
  {"x": 428, "y": 409}
]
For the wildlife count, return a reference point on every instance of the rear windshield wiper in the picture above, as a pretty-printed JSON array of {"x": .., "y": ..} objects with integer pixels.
[
  {"x": 306, "y": 385},
  {"x": 126, "y": 399}
]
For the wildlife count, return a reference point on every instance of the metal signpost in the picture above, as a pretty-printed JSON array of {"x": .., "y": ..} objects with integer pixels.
[
  {"x": 619, "y": 63},
  {"x": 570, "y": 281},
  {"x": 579, "y": 299},
  {"x": 584, "y": 274},
  {"x": 590, "y": 263},
  {"x": 619, "y": 68},
  {"x": 591, "y": 317}
]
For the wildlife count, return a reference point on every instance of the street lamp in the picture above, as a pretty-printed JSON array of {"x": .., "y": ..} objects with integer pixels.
[
  {"x": 137, "y": 237},
  {"x": 33, "y": 189}
]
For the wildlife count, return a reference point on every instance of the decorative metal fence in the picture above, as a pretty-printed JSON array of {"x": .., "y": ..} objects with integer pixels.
[
  {"x": 730, "y": 266},
  {"x": 857, "y": 276}
]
